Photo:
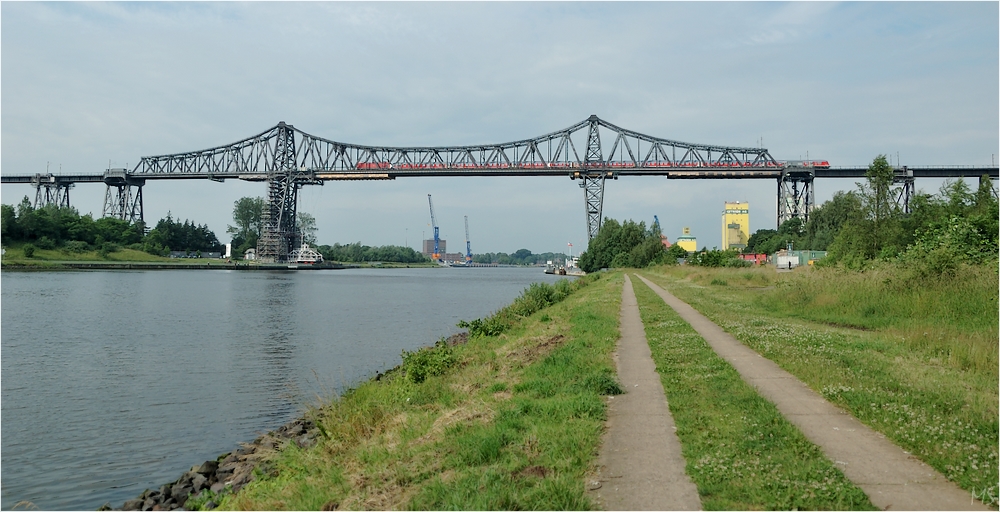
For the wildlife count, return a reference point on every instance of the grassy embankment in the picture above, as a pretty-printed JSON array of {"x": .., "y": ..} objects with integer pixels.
[
  {"x": 506, "y": 421},
  {"x": 740, "y": 451},
  {"x": 55, "y": 257},
  {"x": 58, "y": 258},
  {"x": 913, "y": 358}
]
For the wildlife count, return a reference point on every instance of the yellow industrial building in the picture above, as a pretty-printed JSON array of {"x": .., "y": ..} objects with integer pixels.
[
  {"x": 687, "y": 242},
  {"x": 735, "y": 225}
]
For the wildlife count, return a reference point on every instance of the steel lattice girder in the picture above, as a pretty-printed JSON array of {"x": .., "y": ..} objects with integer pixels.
[
  {"x": 909, "y": 189},
  {"x": 630, "y": 151},
  {"x": 795, "y": 195},
  {"x": 56, "y": 193},
  {"x": 123, "y": 196},
  {"x": 593, "y": 192},
  {"x": 279, "y": 234}
]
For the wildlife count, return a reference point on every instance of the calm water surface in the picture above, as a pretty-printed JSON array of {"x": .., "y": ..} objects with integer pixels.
[{"x": 114, "y": 382}]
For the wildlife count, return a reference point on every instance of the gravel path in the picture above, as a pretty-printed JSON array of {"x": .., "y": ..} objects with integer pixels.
[
  {"x": 892, "y": 478},
  {"x": 641, "y": 466}
]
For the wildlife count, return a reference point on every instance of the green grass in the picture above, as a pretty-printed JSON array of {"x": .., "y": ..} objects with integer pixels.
[
  {"x": 913, "y": 365},
  {"x": 740, "y": 451},
  {"x": 14, "y": 255},
  {"x": 513, "y": 423}
]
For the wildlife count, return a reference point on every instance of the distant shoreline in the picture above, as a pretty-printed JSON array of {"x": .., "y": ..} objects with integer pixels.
[{"x": 124, "y": 265}]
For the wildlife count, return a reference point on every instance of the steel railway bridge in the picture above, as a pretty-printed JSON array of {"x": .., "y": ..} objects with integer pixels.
[{"x": 287, "y": 159}]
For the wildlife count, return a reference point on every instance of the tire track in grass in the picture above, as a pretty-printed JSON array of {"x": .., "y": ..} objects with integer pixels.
[
  {"x": 741, "y": 452},
  {"x": 943, "y": 415}
]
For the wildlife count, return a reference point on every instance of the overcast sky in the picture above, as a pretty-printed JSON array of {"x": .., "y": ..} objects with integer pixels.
[{"x": 85, "y": 84}]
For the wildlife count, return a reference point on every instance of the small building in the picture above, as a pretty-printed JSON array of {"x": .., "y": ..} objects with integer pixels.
[
  {"x": 250, "y": 254},
  {"x": 687, "y": 242}
]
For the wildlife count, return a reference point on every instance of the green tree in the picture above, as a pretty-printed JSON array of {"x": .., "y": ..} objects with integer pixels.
[
  {"x": 307, "y": 226},
  {"x": 8, "y": 223},
  {"x": 248, "y": 214},
  {"x": 828, "y": 219},
  {"x": 877, "y": 231},
  {"x": 627, "y": 244}
]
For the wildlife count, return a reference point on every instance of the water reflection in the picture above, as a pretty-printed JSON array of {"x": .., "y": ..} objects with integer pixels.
[{"x": 118, "y": 381}]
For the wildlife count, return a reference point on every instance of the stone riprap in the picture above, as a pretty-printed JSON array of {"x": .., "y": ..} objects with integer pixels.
[{"x": 227, "y": 474}]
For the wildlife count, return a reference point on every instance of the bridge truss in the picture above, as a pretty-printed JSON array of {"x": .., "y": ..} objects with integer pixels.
[{"x": 287, "y": 159}]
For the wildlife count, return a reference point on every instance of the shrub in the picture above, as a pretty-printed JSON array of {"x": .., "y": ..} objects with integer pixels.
[
  {"x": 107, "y": 248},
  {"x": 534, "y": 298},
  {"x": 45, "y": 243},
  {"x": 428, "y": 361},
  {"x": 76, "y": 246},
  {"x": 29, "y": 250}
]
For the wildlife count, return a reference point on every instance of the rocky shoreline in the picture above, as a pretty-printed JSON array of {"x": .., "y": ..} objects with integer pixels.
[
  {"x": 209, "y": 481},
  {"x": 225, "y": 475}
]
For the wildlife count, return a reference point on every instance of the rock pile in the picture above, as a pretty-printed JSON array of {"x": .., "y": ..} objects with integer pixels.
[{"x": 225, "y": 475}]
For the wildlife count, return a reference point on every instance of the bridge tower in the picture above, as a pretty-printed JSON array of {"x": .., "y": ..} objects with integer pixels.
[
  {"x": 50, "y": 190},
  {"x": 593, "y": 179},
  {"x": 279, "y": 234},
  {"x": 795, "y": 193},
  {"x": 123, "y": 196}
]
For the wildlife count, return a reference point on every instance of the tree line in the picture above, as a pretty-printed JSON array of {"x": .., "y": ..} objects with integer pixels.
[
  {"x": 357, "y": 253},
  {"x": 518, "y": 257},
  {"x": 957, "y": 225},
  {"x": 53, "y": 227}
]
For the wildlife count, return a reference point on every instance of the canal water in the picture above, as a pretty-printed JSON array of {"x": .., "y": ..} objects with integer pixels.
[{"x": 114, "y": 382}]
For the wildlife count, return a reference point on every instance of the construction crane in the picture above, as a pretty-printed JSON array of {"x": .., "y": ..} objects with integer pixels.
[
  {"x": 656, "y": 221},
  {"x": 437, "y": 239},
  {"x": 468, "y": 246}
]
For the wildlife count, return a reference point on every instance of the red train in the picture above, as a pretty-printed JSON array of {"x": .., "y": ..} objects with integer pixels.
[{"x": 817, "y": 164}]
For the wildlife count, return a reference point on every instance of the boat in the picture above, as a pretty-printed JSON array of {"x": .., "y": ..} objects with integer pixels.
[
  {"x": 549, "y": 267},
  {"x": 572, "y": 268},
  {"x": 305, "y": 255}
]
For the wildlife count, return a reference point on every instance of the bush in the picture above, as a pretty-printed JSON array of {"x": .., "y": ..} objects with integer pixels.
[
  {"x": 534, "y": 298},
  {"x": 29, "y": 250},
  {"x": 428, "y": 361},
  {"x": 76, "y": 246},
  {"x": 45, "y": 243},
  {"x": 107, "y": 248}
]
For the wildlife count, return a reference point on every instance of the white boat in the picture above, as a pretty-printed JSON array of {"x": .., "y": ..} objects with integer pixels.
[
  {"x": 305, "y": 255},
  {"x": 550, "y": 268},
  {"x": 572, "y": 269}
]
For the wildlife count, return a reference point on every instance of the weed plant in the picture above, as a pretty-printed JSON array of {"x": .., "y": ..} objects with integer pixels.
[
  {"x": 513, "y": 422},
  {"x": 536, "y": 297},
  {"x": 918, "y": 363},
  {"x": 740, "y": 451}
]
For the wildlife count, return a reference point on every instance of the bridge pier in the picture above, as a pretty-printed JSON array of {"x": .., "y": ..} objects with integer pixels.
[
  {"x": 795, "y": 193},
  {"x": 593, "y": 195},
  {"x": 56, "y": 191},
  {"x": 905, "y": 194},
  {"x": 123, "y": 196}
]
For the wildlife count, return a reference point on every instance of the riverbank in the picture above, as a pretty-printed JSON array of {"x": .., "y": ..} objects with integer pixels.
[
  {"x": 133, "y": 265},
  {"x": 512, "y": 419},
  {"x": 529, "y": 430}
]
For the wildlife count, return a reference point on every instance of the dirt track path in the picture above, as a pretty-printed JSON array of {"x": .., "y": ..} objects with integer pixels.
[
  {"x": 891, "y": 477},
  {"x": 641, "y": 466}
]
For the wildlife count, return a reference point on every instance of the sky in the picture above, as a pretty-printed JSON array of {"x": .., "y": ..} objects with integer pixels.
[{"x": 85, "y": 85}]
